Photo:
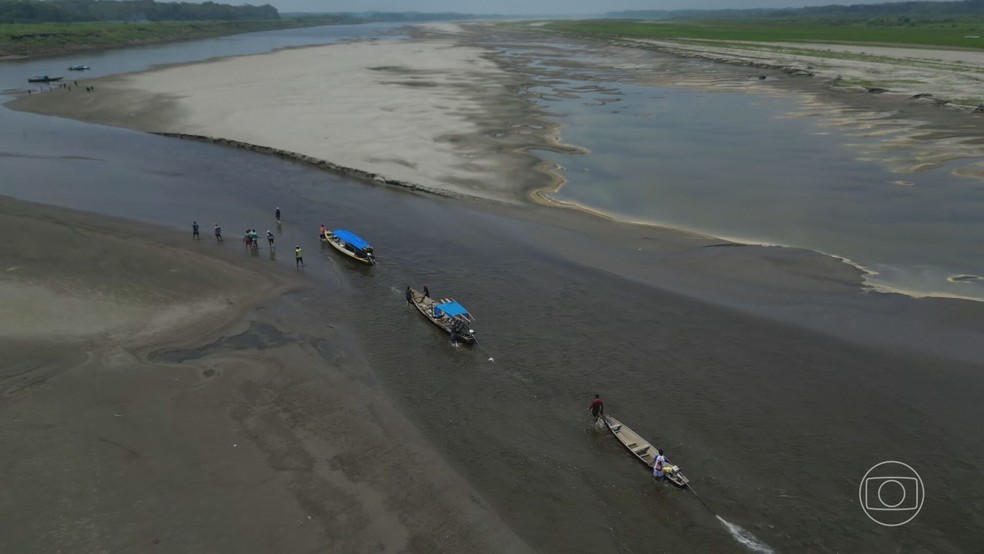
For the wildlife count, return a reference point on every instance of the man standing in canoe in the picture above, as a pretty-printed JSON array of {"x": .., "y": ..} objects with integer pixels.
[
  {"x": 597, "y": 407},
  {"x": 409, "y": 296},
  {"x": 658, "y": 464}
]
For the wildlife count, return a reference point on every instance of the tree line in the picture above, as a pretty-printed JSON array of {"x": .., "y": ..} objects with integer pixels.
[
  {"x": 67, "y": 11},
  {"x": 922, "y": 10}
]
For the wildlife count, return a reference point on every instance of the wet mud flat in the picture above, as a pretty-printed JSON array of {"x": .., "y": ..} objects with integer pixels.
[
  {"x": 662, "y": 324},
  {"x": 179, "y": 411}
]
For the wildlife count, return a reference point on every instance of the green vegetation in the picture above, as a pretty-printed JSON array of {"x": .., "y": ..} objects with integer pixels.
[
  {"x": 42, "y": 27},
  {"x": 936, "y": 33},
  {"x": 52, "y": 38},
  {"x": 922, "y": 10},
  {"x": 65, "y": 11}
]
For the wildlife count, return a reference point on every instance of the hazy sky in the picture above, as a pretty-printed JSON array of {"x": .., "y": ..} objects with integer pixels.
[{"x": 530, "y": 6}]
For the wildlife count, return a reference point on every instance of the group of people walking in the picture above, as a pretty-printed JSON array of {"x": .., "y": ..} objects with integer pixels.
[{"x": 251, "y": 239}]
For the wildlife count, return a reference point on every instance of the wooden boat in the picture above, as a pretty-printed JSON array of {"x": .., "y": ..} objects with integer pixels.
[
  {"x": 644, "y": 451},
  {"x": 78, "y": 67},
  {"x": 447, "y": 314},
  {"x": 42, "y": 78},
  {"x": 351, "y": 245}
]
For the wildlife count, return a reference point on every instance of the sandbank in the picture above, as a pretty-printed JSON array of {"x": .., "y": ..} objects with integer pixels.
[
  {"x": 149, "y": 400},
  {"x": 942, "y": 76},
  {"x": 412, "y": 112}
]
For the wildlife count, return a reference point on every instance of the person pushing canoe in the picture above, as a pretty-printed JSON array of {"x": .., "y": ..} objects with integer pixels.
[{"x": 597, "y": 407}]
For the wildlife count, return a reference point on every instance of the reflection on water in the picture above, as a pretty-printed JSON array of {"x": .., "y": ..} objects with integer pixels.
[{"x": 689, "y": 149}]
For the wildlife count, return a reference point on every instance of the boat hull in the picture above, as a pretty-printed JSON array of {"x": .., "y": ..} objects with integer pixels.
[
  {"x": 44, "y": 80},
  {"x": 642, "y": 450}
]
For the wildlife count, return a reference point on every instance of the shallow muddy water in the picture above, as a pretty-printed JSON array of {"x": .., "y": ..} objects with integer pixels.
[
  {"x": 673, "y": 143},
  {"x": 774, "y": 425}
]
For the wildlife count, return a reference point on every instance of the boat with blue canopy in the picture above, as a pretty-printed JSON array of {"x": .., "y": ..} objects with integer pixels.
[
  {"x": 43, "y": 78},
  {"x": 350, "y": 244},
  {"x": 447, "y": 313}
]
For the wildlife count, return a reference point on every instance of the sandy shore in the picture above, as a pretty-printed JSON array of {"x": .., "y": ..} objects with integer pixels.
[
  {"x": 442, "y": 113},
  {"x": 149, "y": 399},
  {"x": 414, "y": 112},
  {"x": 949, "y": 77}
]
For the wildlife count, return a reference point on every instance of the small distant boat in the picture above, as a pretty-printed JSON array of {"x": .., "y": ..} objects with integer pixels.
[
  {"x": 78, "y": 67},
  {"x": 43, "y": 78},
  {"x": 449, "y": 315},
  {"x": 351, "y": 245},
  {"x": 642, "y": 450}
]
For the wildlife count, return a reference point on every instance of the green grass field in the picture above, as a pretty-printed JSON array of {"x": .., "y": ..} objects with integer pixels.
[
  {"x": 941, "y": 34},
  {"x": 54, "y": 38}
]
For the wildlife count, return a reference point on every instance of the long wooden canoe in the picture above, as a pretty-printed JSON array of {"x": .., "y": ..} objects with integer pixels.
[
  {"x": 643, "y": 450},
  {"x": 446, "y": 314}
]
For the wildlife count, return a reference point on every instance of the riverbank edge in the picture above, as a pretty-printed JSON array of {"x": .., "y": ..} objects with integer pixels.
[{"x": 538, "y": 194}]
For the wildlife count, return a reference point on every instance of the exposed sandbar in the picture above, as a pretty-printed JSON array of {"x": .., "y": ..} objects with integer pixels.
[
  {"x": 431, "y": 112},
  {"x": 149, "y": 399}
]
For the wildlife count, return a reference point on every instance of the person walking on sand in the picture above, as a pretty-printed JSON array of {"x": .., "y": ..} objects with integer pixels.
[
  {"x": 277, "y": 215},
  {"x": 597, "y": 407},
  {"x": 218, "y": 233},
  {"x": 194, "y": 230},
  {"x": 298, "y": 258},
  {"x": 658, "y": 463},
  {"x": 270, "y": 238}
]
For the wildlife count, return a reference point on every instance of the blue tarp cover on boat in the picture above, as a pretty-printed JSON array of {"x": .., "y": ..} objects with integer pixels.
[
  {"x": 351, "y": 238},
  {"x": 451, "y": 308}
]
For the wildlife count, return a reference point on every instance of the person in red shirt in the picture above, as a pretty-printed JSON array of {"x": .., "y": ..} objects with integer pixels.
[{"x": 597, "y": 407}]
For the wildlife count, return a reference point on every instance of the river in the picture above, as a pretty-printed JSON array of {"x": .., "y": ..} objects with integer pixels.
[{"x": 774, "y": 424}]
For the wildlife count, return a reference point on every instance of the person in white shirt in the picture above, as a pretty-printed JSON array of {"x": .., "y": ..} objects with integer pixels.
[{"x": 658, "y": 464}]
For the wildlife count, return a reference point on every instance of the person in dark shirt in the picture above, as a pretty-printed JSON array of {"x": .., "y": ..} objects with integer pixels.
[
  {"x": 427, "y": 293},
  {"x": 409, "y": 296},
  {"x": 194, "y": 230},
  {"x": 597, "y": 407}
]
